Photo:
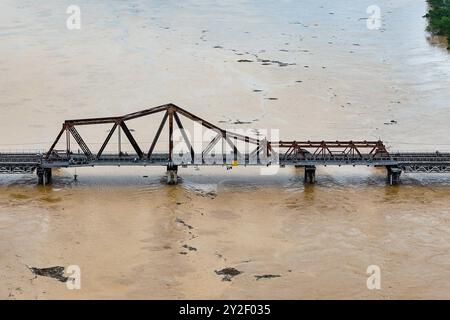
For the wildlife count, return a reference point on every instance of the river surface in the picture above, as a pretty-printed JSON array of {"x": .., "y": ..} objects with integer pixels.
[{"x": 328, "y": 77}]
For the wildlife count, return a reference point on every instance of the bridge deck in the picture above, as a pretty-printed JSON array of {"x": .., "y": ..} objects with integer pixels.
[{"x": 408, "y": 162}]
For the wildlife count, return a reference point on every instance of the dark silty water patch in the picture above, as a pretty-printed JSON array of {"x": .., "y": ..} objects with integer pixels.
[
  {"x": 19, "y": 196},
  {"x": 50, "y": 199},
  {"x": 267, "y": 276},
  {"x": 228, "y": 273},
  {"x": 52, "y": 272}
]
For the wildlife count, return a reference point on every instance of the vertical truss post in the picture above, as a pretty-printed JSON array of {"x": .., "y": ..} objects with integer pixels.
[
  {"x": 67, "y": 142},
  {"x": 224, "y": 156},
  {"x": 235, "y": 151},
  {"x": 119, "y": 141},
  {"x": 170, "y": 135},
  {"x": 246, "y": 150},
  {"x": 257, "y": 152}
]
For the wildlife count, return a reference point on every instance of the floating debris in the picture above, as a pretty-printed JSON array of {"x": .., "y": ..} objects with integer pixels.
[
  {"x": 189, "y": 248},
  {"x": 282, "y": 64},
  {"x": 267, "y": 276},
  {"x": 244, "y": 60},
  {"x": 184, "y": 224},
  {"x": 228, "y": 273},
  {"x": 52, "y": 272},
  {"x": 242, "y": 122}
]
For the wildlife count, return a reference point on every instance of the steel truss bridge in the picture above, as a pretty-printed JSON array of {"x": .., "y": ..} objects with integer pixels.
[{"x": 236, "y": 150}]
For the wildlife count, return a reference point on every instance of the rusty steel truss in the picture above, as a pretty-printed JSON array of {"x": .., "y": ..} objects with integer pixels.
[{"x": 250, "y": 147}]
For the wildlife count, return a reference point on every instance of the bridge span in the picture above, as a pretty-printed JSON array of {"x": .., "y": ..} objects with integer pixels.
[{"x": 226, "y": 148}]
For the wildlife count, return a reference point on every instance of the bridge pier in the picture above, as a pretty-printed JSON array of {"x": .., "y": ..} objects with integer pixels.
[
  {"x": 172, "y": 174},
  {"x": 44, "y": 176},
  {"x": 393, "y": 175},
  {"x": 310, "y": 174}
]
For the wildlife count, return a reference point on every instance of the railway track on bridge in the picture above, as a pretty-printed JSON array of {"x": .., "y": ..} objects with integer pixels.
[{"x": 235, "y": 149}]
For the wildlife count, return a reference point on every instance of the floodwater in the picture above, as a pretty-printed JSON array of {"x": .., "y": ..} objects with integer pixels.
[{"x": 327, "y": 77}]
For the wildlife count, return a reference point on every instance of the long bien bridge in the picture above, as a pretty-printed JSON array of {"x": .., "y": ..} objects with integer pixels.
[{"x": 236, "y": 150}]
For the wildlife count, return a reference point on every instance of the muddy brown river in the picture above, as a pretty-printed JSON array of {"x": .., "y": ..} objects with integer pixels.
[{"x": 311, "y": 69}]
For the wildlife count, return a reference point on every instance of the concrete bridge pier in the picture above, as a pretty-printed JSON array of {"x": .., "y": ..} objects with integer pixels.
[
  {"x": 44, "y": 176},
  {"x": 172, "y": 174},
  {"x": 310, "y": 174},
  {"x": 393, "y": 175}
]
